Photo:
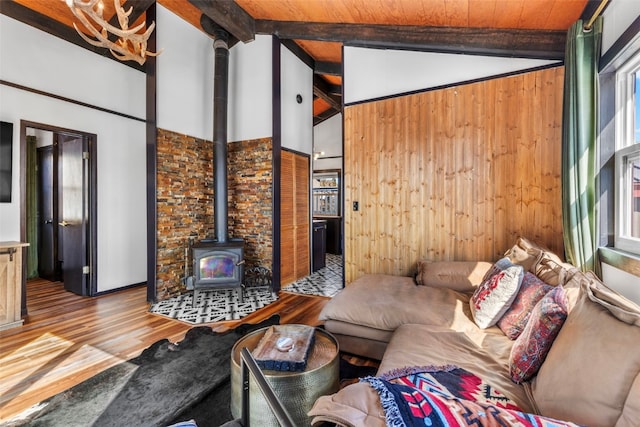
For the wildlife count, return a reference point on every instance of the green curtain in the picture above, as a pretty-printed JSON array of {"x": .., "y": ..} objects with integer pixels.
[
  {"x": 32, "y": 207},
  {"x": 579, "y": 134}
]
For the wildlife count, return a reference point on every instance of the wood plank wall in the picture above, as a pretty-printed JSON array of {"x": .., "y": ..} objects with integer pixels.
[{"x": 453, "y": 174}]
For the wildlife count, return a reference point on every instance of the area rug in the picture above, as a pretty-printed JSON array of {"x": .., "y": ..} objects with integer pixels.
[
  {"x": 153, "y": 389},
  {"x": 214, "y": 305}
]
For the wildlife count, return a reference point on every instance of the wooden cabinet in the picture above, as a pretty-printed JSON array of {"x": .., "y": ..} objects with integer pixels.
[
  {"x": 295, "y": 220},
  {"x": 10, "y": 284}
]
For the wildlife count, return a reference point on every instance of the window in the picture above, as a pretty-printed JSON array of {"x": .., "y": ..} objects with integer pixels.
[{"x": 628, "y": 156}]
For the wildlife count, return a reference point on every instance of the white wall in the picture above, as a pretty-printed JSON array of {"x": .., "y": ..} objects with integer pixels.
[
  {"x": 250, "y": 95},
  {"x": 327, "y": 137},
  {"x": 32, "y": 58},
  {"x": 625, "y": 283},
  {"x": 184, "y": 77},
  {"x": 617, "y": 17},
  {"x": 297, "y": 119},
  {"x": 375, "y": 73}
]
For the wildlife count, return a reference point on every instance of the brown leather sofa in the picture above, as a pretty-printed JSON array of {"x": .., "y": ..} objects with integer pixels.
[{"x": 591, "y": 374}]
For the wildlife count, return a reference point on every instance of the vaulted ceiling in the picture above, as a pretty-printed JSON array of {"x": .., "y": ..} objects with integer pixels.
[{"x": 316, "y": 30}]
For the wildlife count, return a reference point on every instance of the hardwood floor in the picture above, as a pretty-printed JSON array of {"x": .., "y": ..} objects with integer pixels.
[{"x": 67, "y": 338}]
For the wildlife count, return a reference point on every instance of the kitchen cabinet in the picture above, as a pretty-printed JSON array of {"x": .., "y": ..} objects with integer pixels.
[{"x": 319, "y": 244}]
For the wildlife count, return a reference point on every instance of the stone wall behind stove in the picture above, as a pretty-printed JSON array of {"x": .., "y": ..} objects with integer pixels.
[
  {"x": 250, "y": 175},
  {"x": 185, "y": 202}
]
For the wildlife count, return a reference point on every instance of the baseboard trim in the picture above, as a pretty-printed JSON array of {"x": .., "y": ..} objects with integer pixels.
[{"x": 111, "y": 291}]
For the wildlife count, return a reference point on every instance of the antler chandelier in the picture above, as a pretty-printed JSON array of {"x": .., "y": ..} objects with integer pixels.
[{"x": 130, "y": 43}]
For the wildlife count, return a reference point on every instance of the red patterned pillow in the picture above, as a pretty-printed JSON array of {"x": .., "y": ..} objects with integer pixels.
[
  {"x": 515, "y": 319},
  {"x": 533, "y": 344},
  {"x": 495, "y": 294}
]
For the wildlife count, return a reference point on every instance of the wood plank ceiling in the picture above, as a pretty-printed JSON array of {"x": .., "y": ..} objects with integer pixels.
[{"x": 316, "y": 30}]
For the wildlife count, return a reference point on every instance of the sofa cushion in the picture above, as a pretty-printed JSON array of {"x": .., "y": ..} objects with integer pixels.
[
  {"x": 359, "y": 341},
  {"x": 533, "y": 344},
  {"x": 356, "y": 405},
  {"x": 355, "y": 330},
  {"x": 483, "y": 352},
  {"x": 494, "y": 295},
  {"x": 540, "y": 261},
  {"x": 525, "y": 253},
  {"x": 515, "y": 319},
  {"x": 463, "y": 276},
  {"x": 384, "y": 302},
  {"x": 620, "y": 307},
  {"x": 591, "y": 374}
]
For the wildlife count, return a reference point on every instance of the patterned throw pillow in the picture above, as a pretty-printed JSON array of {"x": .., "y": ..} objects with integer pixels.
[
  {"x": 495, "y": 294},
  {"x": 533, "y": 344},
  {"x": 515, "y": 319}
]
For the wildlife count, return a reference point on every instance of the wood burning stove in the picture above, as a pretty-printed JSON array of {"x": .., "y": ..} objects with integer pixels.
[{"x": 218, "y": 265}]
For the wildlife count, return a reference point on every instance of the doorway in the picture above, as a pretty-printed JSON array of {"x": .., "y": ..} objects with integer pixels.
[{"x": 59, "y": 200}]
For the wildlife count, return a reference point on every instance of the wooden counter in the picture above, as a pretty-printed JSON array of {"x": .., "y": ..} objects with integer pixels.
[{"x": 10, "y": 284}]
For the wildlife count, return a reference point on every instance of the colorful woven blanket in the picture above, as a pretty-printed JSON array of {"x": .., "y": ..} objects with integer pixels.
[{"x": 449, "y": 396}]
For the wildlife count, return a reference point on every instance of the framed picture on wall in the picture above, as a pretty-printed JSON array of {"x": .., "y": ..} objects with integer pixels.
[{"x": 6, "y": 151}]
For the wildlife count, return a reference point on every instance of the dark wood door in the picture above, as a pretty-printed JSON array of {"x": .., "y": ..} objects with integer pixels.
[
  {"x": 48, "y": 267},
  {"x": 73, "y": 210}
]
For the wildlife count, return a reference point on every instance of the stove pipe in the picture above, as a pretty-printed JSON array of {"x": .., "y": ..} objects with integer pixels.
[{"x": 220, "y": 96}]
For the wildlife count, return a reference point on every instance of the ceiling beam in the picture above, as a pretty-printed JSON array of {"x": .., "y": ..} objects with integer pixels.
[
  {"x": 212, "y": 29},
  {"x": 229, "y": 16},
  {"x": 299, "y": 52},
  {"x": 57, "y": 29},
  {"x": 330, "y": 68},
  {"x": 335, "y": 89},
  {"x": 139, "y": 7},
  {"x": 477, "y": 41},
  {"x": 321, "y": 89}
]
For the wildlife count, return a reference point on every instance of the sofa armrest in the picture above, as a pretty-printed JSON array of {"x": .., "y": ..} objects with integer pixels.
[{"x": 462, "y": 276}]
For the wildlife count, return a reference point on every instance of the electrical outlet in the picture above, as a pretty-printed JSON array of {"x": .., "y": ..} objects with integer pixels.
[{"x": 356, "y": 206}]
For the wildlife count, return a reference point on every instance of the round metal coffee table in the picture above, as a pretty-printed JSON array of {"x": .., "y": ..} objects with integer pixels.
[{"x": 296, "y": 390}]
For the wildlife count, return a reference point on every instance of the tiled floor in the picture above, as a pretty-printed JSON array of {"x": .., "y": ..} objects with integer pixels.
[
  {"x": 214, "y": 305},
  {"x": 325, "y": 282}
]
